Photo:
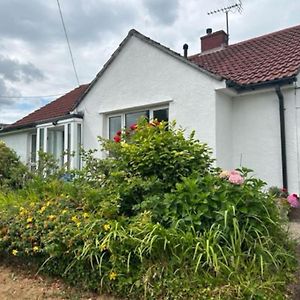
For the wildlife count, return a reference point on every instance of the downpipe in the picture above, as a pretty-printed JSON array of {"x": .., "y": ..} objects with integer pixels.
[{"x": 282, "y": 138}]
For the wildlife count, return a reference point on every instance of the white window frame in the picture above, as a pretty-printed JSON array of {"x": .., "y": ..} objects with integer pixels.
[
  {"x": 123, "y": 113},
  {"x": 31, "y": 163}
]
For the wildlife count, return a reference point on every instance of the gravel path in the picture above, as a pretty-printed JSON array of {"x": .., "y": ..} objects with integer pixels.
[
  {"x": 18, "y": 281},
  {"x": 294, "y": 229}
]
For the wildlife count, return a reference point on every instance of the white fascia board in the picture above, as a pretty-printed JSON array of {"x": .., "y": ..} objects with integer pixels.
[{"x": 60, "y": 122}]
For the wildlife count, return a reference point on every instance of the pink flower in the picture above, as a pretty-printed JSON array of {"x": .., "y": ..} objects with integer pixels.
[
  {"x": 119, "y": 132},
  {"x": 235, "y": 177},
  {"x": 293, "y": 199},
  {"x": 133, "y": 126},
  {"x": 117, "y": 138}
]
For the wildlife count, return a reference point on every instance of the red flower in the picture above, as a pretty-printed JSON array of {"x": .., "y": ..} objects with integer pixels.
[
  {"x": 117, "y": 138},
  {"x": 133, "y": 126},
  {"x": 119, "y": 132}
]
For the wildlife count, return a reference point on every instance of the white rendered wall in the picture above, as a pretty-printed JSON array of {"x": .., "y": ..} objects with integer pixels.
[
  {"x": 224, "y": 131},
  {"x": 19, "y": 142},
  {"x": 256, "y": 136},
  {"x": 142, "y": 75}
]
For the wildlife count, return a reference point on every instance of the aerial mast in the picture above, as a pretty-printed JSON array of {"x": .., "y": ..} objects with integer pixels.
[{"x": 226, "y": 10}]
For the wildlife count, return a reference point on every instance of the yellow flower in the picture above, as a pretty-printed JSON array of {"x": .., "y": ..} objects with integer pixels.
[
  {"x": 42, "y": 209},
  {"x": 85, "y": 215},
  {"x": 78, "y": 224},
  {"x": 112, "y": 275},
  {"x": 29, "y": 220},
  {"x": 23, "y": 211},
  {"x": 31, "y": 204},
  {"x": 51, "y": 217},
  {"x": 75, "y": 219},
  {"x": 106, "y": 227},
  {"x": 35, "y": 249},
  {"x": 48, "y": 203},
  {"x": 28, "y": 226},
  {"x": 15, "y": 252},
  {"x": 64, "y": 211}
]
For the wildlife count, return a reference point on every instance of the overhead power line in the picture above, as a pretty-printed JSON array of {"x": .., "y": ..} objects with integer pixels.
[{"x": 68, "y": 42}]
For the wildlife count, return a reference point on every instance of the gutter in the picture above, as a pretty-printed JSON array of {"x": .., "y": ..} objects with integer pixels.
[
  {"x": 282, "y": 137},
  {"x": 261, "y": 85},
  {"x": 34, "y": 124}
]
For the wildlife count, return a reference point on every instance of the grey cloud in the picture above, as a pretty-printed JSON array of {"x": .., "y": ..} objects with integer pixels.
[
  {"x": 38, "y": 22},
  {"x": 163, "y": 11},
  {"x": 31, "y": 21},
  {"x": 6, "y": 91},
  {"x": 14, "y": 70},
  {"x": 91, "y": 22}
]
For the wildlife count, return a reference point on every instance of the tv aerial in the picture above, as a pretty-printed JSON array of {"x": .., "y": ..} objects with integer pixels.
[{"x": 232, "y": 8}]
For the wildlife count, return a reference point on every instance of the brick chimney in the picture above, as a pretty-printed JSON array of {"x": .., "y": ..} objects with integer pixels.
[{"x": 213, "y": 41}]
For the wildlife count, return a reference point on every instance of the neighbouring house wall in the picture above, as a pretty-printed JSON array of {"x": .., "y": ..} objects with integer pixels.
[
  {"x": 224, "y": 131},
  {"x": 19, "y": 142},
  {"x": 143, "y": 75},
  {"x": 256, "y": 135}
]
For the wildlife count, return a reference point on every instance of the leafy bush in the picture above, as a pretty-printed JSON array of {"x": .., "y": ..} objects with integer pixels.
[
  {"x": 12, "y": 171},
  {"x": 155, "y": 220}
]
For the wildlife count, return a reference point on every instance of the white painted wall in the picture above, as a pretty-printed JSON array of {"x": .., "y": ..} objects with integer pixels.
[
  {"x": 256, "y": 135},
  {"x": 144, "y": 75},
  {"x": 224, "y": 111},
  {"x": 18, "y": 142}
]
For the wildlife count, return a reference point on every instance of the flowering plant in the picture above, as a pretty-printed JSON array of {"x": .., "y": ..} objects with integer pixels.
[
  {"x": 293, "y": 200},
  {"x": 233, "y": 176}
]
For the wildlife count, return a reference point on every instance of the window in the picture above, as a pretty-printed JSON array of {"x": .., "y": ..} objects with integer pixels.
[
  {"x": 33, "y": 152},
  {"x": 161, "y": 115},
  {"x": 41, "y": 145},
  {"x": 117, "y": 122},
  {"x": 114, "y": 126},
  {"x": 132, "y": 118},
  {"x": 79, "y": 145}
]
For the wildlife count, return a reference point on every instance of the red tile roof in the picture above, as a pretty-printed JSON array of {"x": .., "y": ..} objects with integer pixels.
[
  {"x": 262, "y": 59},
  {"x": 55, "y": 109}
]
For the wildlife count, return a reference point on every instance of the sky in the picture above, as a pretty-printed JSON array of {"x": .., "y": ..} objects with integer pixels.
[{"x": 35, "y": 64}]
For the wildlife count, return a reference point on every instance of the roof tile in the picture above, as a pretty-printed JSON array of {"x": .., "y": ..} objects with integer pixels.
[
  {"x": 265, "y": 58},
  {"x": 57, "y": 108}
]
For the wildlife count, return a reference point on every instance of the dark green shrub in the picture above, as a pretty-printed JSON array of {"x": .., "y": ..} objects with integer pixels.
[{"x": 12, "y": 172}]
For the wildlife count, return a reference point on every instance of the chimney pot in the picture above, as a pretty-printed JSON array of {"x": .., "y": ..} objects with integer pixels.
[
  {"x": 215, "y": 40},
  {"x": 208, "y": 31}
]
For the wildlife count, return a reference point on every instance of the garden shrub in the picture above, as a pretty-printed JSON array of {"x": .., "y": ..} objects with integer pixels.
[
  {"x": 155, "y": 220},
  {"x": 12, "y": 171}
]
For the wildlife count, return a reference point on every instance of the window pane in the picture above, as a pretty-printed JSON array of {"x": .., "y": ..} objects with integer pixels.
[
  {"x": 78, "y": 146},
  {"x": 161, "y": 114},
  {"x": 69, "y": 147},
  {"x": 114, "y": 126},
  {"x": 133, "y": 118},
  {"x": 41, "y": 145},
  {"x": 33, "y": 148}
]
